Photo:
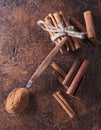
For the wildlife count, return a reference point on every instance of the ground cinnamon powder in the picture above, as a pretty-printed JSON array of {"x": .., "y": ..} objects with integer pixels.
[{"x": 17, "y": 101}]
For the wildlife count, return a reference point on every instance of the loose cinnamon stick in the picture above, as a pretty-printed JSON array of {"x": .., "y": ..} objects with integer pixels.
[
  {"x": 57, "y": 68},
  {"x": 58, "y": 76},
  {"x": 58, "y": 73},
  {"x": 72, "y": 72},
  {"x": 58, "y": 96},
  {"x": 77, "y": 24},
  {"x": 89, "y": 24},
  {"x": 94, "y": 41},
  {"x": 82, "y": 28},
  {"x": 78, "y": 77}
]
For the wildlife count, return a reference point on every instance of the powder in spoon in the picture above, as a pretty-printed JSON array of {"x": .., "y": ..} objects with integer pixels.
[{"x": 17, "y": 101}]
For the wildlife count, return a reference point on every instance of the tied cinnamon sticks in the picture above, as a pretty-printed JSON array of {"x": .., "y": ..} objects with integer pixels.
[
  {"x": 51, "y": 21},
  {"x": 58, "y": 19}
]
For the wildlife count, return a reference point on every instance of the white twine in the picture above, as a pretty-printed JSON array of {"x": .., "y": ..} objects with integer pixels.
[{"x": 60, "y": 30}]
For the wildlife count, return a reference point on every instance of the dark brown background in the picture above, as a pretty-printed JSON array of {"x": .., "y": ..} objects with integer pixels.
[{"x": 23, "y": 46}]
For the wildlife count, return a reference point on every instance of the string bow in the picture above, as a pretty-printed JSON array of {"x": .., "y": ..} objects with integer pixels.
[{"x": 60, "y": 30}]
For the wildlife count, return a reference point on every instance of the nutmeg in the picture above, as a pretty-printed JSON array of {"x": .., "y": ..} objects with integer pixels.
[{"x": 17, "y": 101}]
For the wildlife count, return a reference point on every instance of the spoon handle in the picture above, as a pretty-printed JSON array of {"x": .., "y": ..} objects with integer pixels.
[{"x": 45, "y": 63}]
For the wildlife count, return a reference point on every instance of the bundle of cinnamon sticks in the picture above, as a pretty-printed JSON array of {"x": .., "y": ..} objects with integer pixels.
[
  {"x": 56, "y": 19},
  {"x": 72, "y": 79}
]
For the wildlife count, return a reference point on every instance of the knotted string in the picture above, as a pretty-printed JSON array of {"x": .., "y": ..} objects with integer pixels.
[{"x": 60, "y": 30}]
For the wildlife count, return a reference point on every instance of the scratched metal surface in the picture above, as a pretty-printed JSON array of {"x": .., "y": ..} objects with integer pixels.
[{"x": 23, "y": 46}]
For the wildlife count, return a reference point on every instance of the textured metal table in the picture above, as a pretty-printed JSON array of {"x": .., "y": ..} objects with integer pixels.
[{"x": 23, "y": 46}]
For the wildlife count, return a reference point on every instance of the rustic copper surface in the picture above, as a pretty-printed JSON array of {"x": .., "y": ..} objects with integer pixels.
[{"x": 23, "y": 46}]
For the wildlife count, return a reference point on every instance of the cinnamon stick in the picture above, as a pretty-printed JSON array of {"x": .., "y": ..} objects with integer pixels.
[
  {"x": 58, "y": 19},
  {"x": 58, "y": 69},
  {"x": 58, "y": 96},
  {"x": 77, "y": 24},
  {"x": 64, "y": 19},
  {"x": 76, "y": 43},
  {"x": 53, "y": 19},
  {"x": 59, "y": 22},
  {"x": 82, "y": 28},
  {"x": 89, "y": 24},
  {"x": 58, "y": 73},
  {"x": 72, "y": 72},
  {"x": 78, "y": 77},
  {"x": 94, "y": 41},
  {"x": 71, "y": 45},
  {"x": 59, "y": 39},
  {"x": 49, "y": 21},
  {"x": 58, "y": 76}
]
